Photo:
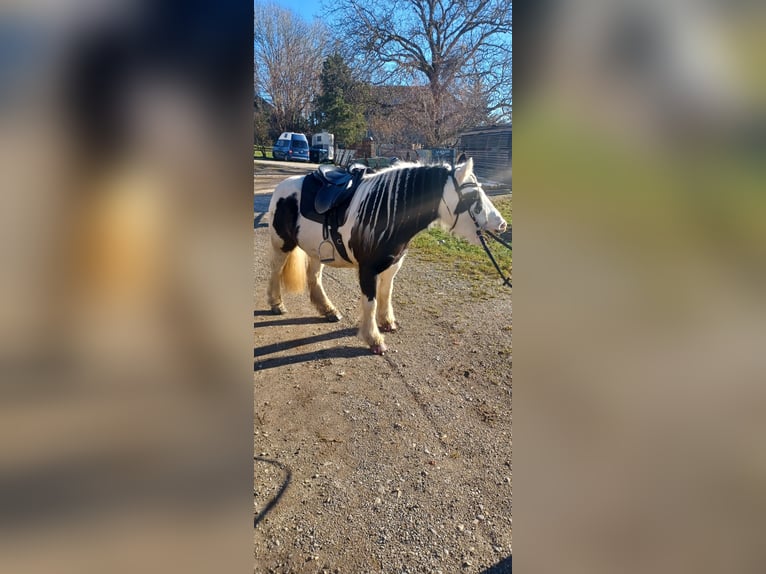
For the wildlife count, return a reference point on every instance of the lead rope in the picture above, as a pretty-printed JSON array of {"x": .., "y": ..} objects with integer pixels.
[
  {"x": 499, "y": 240},
  {"x": 480, "y": 235},
  {"x": 506, "y": 279}
]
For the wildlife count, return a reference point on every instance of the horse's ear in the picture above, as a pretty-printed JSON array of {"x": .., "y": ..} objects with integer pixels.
[
  {"x": 461, "y": 158},
  {"x": 464, "y": 171}
]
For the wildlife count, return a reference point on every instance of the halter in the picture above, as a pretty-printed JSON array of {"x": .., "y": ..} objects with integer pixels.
[{"x": 465, "y": 201}]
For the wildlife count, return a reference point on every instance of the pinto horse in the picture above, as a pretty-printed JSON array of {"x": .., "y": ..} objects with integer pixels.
[{"x": 374, "y": 229}]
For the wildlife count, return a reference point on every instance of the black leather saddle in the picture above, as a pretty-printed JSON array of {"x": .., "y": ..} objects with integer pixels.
[
  {"x": 325, "y": 197},
  {"x": 338, "y": 184}
]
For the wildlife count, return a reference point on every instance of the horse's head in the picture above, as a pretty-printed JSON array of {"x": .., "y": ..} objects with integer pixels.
[{"x": 468, "y": 207}]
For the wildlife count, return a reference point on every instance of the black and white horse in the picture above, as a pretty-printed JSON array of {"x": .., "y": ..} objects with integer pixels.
[{"x": 387, "y": 210}]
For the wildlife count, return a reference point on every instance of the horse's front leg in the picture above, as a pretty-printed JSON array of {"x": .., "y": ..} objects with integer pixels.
[
  {"x": 368, "y": 326},
  {"x": 385, "y": 311}
]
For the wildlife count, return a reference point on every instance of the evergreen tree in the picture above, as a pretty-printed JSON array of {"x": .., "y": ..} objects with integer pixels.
[{"x": 340, "y": 105}]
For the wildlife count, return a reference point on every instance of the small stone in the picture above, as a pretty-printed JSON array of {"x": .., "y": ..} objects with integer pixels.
[
  {"x": 481, "y": 517},
  {"x": 378, "y": 501},
  {"x": 341, "y": 373},
  {"x": 461, "y": 527}
]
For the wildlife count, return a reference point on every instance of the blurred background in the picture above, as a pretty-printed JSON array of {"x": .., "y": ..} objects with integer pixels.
[
  {"x": 639, "y": 275},
  {"x": 125, "y": 244},
  {"x": 126, "y": 292}
]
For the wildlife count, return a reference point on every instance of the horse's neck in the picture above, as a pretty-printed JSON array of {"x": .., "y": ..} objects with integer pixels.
[{"x": 418, "y": 198}]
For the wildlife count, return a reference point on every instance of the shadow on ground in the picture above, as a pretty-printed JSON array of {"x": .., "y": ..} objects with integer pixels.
[
  {"x": 340, "y": 352},
  {"x": 502, "y": 567},
  {"x": 344, "y": 352},
  {"x": 287, "y": 479},
  {"x": 286, "y": 322}
]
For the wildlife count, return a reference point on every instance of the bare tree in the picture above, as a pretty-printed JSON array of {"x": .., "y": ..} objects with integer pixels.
[
  {"x": 288, "y": 59},
  {"x": 454, "y": 47}
]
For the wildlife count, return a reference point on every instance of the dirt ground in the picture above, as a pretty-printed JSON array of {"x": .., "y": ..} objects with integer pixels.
[{"x": 400, "y": 463}]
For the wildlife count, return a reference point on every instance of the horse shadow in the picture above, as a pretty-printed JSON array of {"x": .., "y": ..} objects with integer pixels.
[
  {"x": 344, "y": 352},
  {"x": 340, "y": 352},
  {"x": 285, "y": 321}
]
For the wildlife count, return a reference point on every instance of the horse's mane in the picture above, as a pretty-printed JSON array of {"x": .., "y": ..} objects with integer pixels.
[{"x": 397, "y": 202}]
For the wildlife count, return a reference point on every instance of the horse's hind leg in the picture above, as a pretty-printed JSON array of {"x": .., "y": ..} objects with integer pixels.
[
  {"x": 385, "y": 310},
  {"x": 278, "y": 258},
  {"x": 317, "y": 293}
]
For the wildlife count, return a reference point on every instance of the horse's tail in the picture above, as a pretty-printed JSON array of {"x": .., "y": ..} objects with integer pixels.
[{"x": 294, "y": 271}]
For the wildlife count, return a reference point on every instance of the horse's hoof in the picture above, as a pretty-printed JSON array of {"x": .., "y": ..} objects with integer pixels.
[
  {"x": 389, "y": 327},
  {"x": 333, "y": 316},
  {"x": 278, "y": 310},
  {"x": 378, "y": 349}
]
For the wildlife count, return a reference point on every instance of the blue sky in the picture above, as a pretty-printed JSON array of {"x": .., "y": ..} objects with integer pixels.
[{"x": 306, "y": 9}]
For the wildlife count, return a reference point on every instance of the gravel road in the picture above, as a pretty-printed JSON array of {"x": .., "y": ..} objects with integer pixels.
[{"x": 399, "y": 463}]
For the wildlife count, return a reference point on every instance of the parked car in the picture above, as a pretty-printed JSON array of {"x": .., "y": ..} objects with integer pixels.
[{"x": 291, "y": 146}]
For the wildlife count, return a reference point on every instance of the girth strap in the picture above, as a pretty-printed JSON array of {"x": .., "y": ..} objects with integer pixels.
[{"x": 330, "y": 229}]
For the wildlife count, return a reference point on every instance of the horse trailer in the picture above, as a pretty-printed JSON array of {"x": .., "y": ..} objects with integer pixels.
[{"x": 322, "y": 147}]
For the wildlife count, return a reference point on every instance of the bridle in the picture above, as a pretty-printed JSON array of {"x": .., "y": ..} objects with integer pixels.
[{"x": 465, "y": 202}]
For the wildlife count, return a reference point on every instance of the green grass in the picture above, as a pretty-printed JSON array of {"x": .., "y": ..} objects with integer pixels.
[
  {"x": 262, "y": 152},
  {"x": 448, "y": 252}
]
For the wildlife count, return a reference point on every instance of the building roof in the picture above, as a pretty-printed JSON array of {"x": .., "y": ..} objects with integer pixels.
[{"x": 499, "y": 128}]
